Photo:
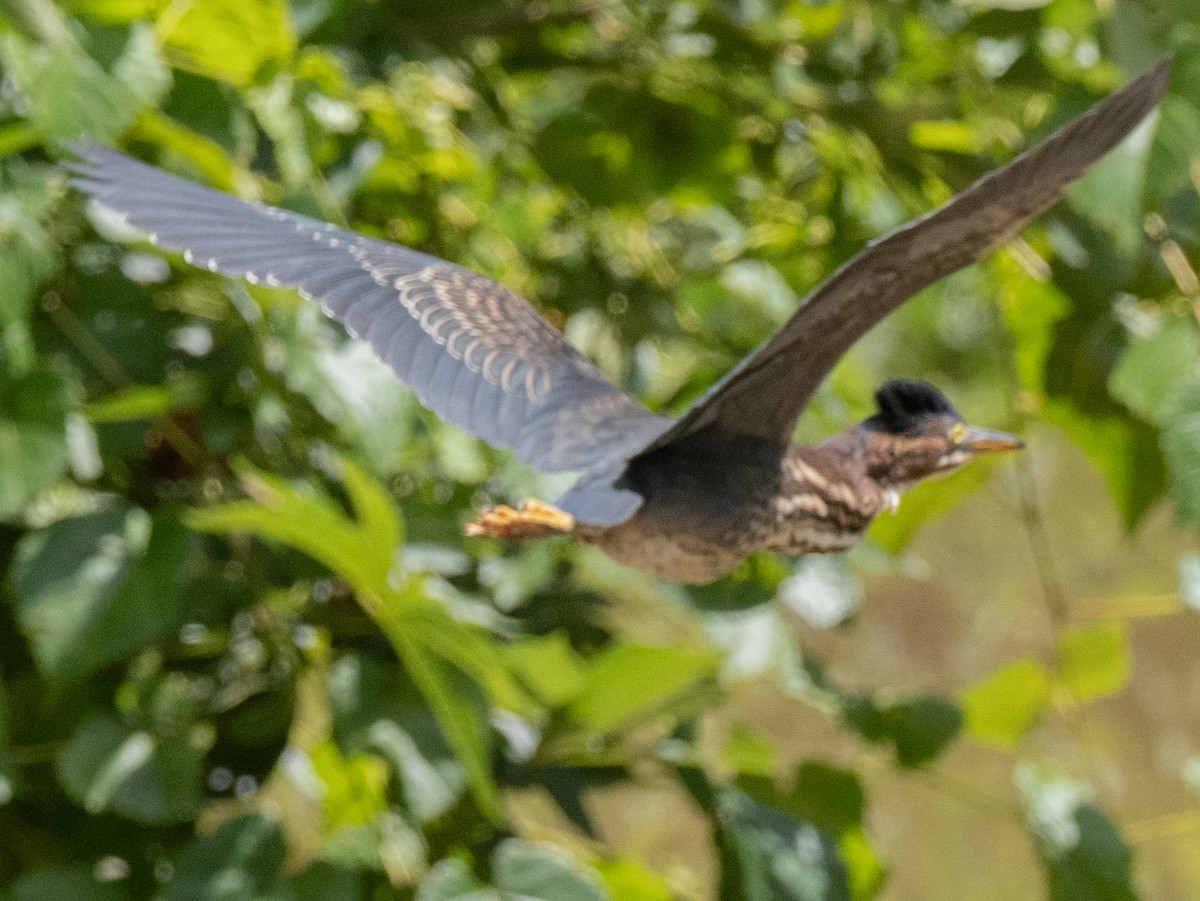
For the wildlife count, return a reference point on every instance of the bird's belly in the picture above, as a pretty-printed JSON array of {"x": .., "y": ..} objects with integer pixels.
[
  {"x": 806, "y": 536},
  {"x": 680, "y": 557}
]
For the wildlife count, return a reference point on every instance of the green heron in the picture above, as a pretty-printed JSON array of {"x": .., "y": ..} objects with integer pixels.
[{"x": 686, "y": 498}]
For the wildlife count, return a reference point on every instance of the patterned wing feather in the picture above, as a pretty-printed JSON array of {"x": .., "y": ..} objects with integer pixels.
[
  {"x": 765, "y": 393},
  {"x": 473, "y": 351}
]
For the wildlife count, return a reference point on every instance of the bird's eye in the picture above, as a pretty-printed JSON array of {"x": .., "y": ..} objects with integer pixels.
[{"x": 957, "y": 433}]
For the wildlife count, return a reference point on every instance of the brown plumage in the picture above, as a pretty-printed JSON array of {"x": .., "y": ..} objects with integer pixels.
[{"x": 688, "y": 498}]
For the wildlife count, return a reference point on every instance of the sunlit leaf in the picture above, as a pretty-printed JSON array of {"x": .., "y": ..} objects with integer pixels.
[
  {"x": 1095, "y": 660},
  {"x": 630, "y": 683},
  {"x": 226, "y": 39},
  {"x": 549, "y": 666},
  {"x": 628, "y": 879},
  {"x": 1003, "y": 707}
]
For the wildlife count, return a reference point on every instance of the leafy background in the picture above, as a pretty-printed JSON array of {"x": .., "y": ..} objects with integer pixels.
[{"x": 246, "y": 653}]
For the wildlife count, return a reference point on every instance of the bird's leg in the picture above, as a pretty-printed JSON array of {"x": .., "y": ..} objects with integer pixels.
[{"x": 532, "y": 519}]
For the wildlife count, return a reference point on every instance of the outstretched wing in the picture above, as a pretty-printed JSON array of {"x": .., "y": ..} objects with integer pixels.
[
  {"x": 474, "y": 352},
  {"x": 765, "y": 393}
]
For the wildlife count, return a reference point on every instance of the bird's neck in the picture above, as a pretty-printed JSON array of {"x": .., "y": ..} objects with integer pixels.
[{"x": 856, "y": 458}]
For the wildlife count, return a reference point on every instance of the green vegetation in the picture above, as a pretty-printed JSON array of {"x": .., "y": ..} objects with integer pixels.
[{"x": 246, "y": 654}]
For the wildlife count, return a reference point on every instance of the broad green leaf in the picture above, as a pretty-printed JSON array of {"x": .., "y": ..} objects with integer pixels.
[
  {"x": 377, "y": 708},
  {"x": 1126, "y": 453},
  {"x": 630, "y": 683},
  {"x": 830, "y": 798},
  {"x": 628, "y": 880},
  {"x": 919, "y": 728},
  {"x": 1002, "y": 708},
  {"x": 33, "y": 442},
  {"x": 535, "y": 873},
  {"x": 1095, "y": 660},
  {"x": 1084, "y": 855},
  {"x": 355, "y": 787},
  {"x": 748, "y": 752},
  {"x": 461, "y": 713},
  {"x": 110, "y": 767},
  {"x": 776, "y": 857},
  {"x": 77, "y": 883},
  {"x": 436, "y": 650},
  {"x": 1152, "y": 372},
  {"x": 548, "y": 666},
  {"x": 452, "y": 880},
  {"x": 138, "y": 402},
  {"x": 1181, "y": 445},
  {"x": 893, "y": 531},
  {"x": 240, "y": 861},
  {"x": 71, "y": 94},
  {"x": 94, "y": 588},
  {"x": 955, "y": 137},
  {"x": 230, "y": 40},
  {"x": 360, "y": 550}
]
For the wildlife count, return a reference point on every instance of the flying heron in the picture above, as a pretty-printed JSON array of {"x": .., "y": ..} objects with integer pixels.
[{"x": 683, "y": 498}]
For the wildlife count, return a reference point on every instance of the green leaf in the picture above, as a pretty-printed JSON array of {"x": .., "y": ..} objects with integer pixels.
[
  {"x": 1084, "y": 855},
  {"x": 241, "y": 861},
  {"x": 33, "y": 443},
  {"x": 1002, "y": 708},
  {"x": 452, "y": 880},
  {"x": 109, "y": 766},
  {"x": 1095, "y": 661},
  {"x": 461, "y": 712},
  {"x": 776, "y": 857},
  {"x": 549, "y": 666},
  {"x": 1125, "y": 451},
  {"x": 361, "y": 550},
  {"x": 830, "y": 798},
  {"x": 76, "y": 883},
  {"x": 628, "y": 880},
  {"x": 436, "y": 650},
  {"x": 1181, "y": 445},
  {"x": 71, "y": 94},
  {"x": 229, "y": 40},
  {"x": 919, "y": 728},
  {"x": 138, "y": 402},
  {"x": 1152, "y": 372},
  {"x": 630, "y": 683},
  {"x": 94, "y": 588},
  {"x": 535, "y": 873}
]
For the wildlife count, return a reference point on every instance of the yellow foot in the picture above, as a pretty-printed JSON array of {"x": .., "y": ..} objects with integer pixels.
[{"x": 533, "y": 520}]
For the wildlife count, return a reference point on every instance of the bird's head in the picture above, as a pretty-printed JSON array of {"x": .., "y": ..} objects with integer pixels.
[{"x": 917, "y": 434}]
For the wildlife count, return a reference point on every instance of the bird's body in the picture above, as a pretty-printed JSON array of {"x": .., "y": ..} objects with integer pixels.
[
  {"x": 812, "y": 499},
  {"x": 687, "y": 498}
]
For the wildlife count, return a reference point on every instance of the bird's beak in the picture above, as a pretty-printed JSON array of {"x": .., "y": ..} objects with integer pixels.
[{"x": 987, "y": 441}]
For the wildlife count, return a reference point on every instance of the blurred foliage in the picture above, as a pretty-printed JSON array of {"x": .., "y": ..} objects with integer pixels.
[{"x": 246, "y": 653}]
